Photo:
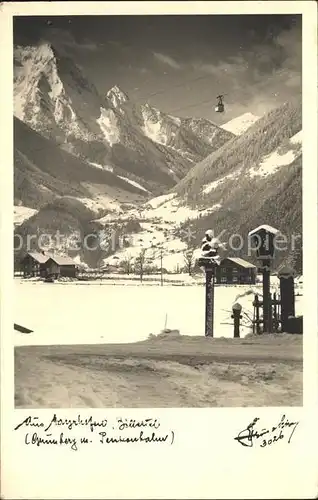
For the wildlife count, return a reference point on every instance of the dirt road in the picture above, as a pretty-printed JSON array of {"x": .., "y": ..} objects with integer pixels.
[{"x": 162, "y": 372}]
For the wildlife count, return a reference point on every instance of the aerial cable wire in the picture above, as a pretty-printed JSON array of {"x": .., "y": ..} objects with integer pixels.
[{"x": 178, "y": 85}]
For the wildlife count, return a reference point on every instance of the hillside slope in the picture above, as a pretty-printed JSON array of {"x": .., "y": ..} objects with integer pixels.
[
  {"x": 44, "y": 171},
  {"x": 242, "y": 153},
  {"x": 240, "y": 124},
  {"x": 254, "y": 179}
]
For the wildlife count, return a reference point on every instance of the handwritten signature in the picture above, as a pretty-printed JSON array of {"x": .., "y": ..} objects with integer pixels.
[{"x": 266, "y": 436}]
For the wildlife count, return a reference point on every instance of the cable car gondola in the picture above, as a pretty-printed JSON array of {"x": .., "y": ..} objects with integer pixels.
[{"x": 219, "y": 108}]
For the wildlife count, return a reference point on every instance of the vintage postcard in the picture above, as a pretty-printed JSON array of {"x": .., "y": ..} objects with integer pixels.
[{"x": 158, "y": 297}]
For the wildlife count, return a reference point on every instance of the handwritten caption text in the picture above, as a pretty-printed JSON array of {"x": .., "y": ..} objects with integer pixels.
[{"x": 73, "y": 433}]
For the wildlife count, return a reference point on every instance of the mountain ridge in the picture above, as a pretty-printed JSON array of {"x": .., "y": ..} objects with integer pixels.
[{"x": 52, "y": 96}]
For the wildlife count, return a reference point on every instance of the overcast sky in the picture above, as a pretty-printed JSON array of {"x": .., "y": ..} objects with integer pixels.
[{"x": 184, "y": 60}]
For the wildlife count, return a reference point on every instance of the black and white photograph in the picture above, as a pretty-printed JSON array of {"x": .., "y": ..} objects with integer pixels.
[
  {"x": 158, "y": 262},
  {"x": 158, "y": 211}
]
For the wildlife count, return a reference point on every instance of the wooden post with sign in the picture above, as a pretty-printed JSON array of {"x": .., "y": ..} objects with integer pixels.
[
  {"x": 263, "y": 242},
  {"x": 209, "y": 260},
  {"x": 209, "y": 302}
]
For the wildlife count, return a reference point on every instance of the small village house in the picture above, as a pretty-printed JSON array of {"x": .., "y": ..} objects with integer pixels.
[
  {"x": 33, "y": 264},
  {"x": 234, "y": 270},
  {"x": 59, "y": 265},
  {"x": 44, "y": 264}
]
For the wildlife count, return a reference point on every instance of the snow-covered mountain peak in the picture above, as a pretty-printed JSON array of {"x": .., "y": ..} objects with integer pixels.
[
  {"x": 32, "y": 63},
  {"x": 155, "y": 127},
  {"x": 240, "y": 124},
  {"x": 116, "y": 96},
  {"x": 49, "y": 90},
  {"x": 41, "y": 52},
  {"x": 150, "y": 113}
]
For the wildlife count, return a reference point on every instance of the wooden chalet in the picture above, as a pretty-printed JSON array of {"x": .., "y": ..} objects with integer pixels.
[
  {"x": 44, "y": 264},
  {"x": 234, "y": 270}
]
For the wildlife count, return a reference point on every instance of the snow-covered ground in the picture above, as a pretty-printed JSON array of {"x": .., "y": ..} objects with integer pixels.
[
  {"x": 74, "y": 313},
  {"x": 102, "y": 167},
  {"x": 160, "y": 200},
  {"x": 297, "y": 138},
  {"x": 22, "y": 213},
  {"x": 273, "y": 162},
  {"x": 99, "y": 204},
  {"x": 171, "y": 209},
  {"x": 214, "y": 184},
  {"x": 133, "y": 183},
  {"x": 240, "y": 124},
  {"x": 153, "y": 238},
  {"x": 160, "y": 219}
]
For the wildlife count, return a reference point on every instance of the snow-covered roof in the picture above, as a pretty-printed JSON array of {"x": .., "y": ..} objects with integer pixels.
[
  {"x": 266, "y": 227},
  {"x": 39, "y": 257},
  {"x": 241, "y": 262},
  {"x": 60, "y": 260},
  {"x": 286, "y": 271}
]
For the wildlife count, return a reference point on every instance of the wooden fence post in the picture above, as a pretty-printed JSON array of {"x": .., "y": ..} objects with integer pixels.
[
  {"x": 275, "y": 303},
  {"x": 257, "y": 306},
  {"x": 287, "y": 294},
  {"x": 236, "y": 308}
]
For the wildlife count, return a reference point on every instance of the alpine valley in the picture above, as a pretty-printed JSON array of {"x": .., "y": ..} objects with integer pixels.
[{"x": 91, "y": 164}]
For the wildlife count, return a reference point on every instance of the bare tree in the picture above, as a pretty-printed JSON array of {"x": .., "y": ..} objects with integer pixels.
[
  {"x": 140, "y": 263},
  {"x": 188, "y": 256},
  {"x": 126, "y": 264}
]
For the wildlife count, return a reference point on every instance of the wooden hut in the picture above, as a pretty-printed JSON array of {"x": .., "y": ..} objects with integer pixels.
[{"x": 234, "y": 270}]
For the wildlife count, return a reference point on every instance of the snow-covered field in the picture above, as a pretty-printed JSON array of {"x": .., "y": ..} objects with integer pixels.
[
  {"x": 240, "y": 124},
  {"x": 21, "y": 214},
  {"x": 173, "y": 210},
  {"x": 274, "y": 161},
  {"x": 77, "y": 313},
  {"x": 213, "y": 185}
]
